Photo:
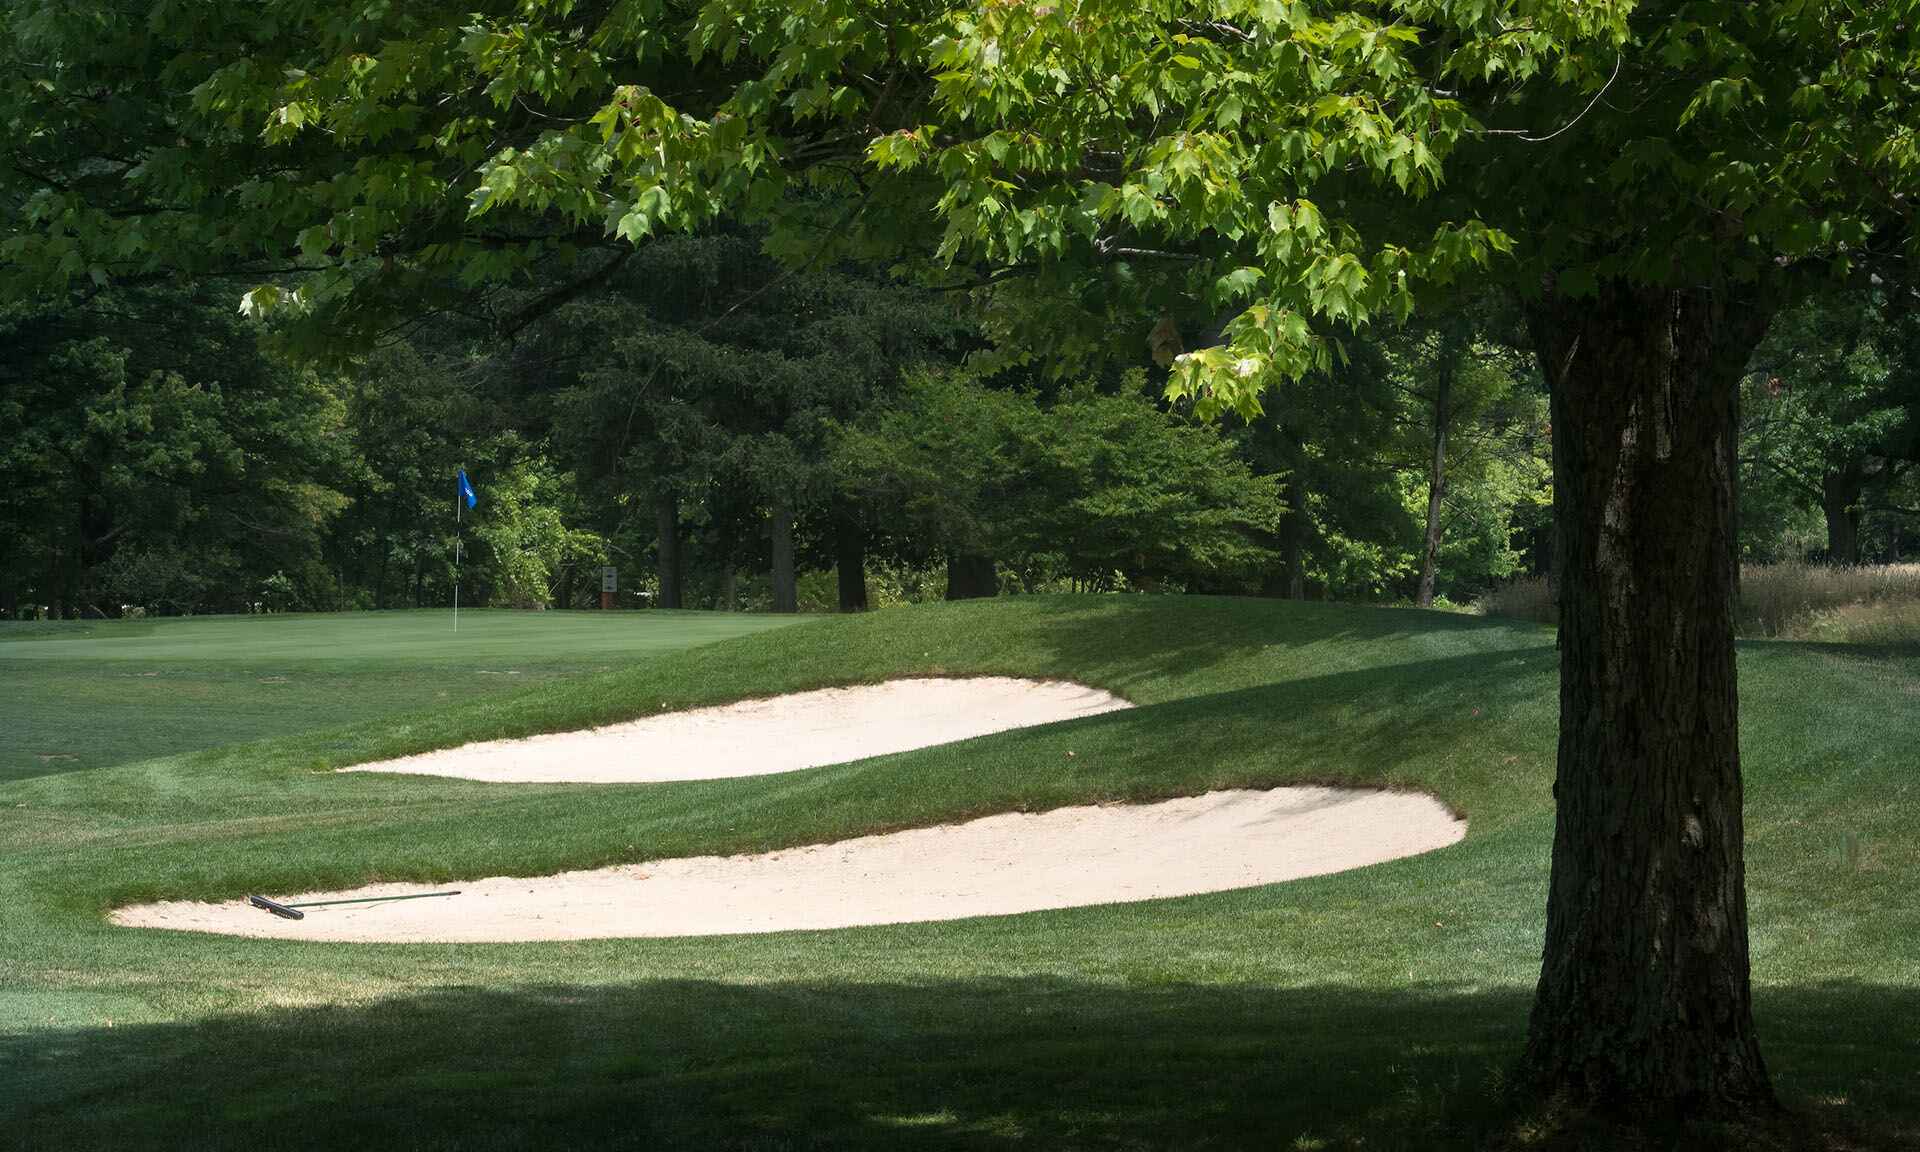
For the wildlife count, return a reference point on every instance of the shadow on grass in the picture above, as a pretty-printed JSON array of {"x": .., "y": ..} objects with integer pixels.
[
  {"x": 1357, "y": 725},
  {"x": 1116, "y": 639},
  {"x": 1893, "y": 651},
  {"x": 21, "y": 630},
  {"x": 1017, "y": 1063}
]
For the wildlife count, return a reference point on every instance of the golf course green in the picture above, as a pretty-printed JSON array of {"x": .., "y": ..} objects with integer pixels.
[
  {"x": 1379, "y": 1008},
  {"x": 85, "y": 694}
]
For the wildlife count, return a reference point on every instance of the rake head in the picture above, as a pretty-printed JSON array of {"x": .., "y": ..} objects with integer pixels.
[{"x": 276, "y": 908}]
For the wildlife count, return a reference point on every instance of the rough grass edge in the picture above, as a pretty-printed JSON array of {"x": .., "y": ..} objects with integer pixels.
[{"x": 1864, "y": 604}]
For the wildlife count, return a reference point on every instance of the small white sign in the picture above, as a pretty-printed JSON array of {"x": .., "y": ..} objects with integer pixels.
[{"x": 609, "y": 579}]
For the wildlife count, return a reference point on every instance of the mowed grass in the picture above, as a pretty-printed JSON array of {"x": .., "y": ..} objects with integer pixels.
[
  {"x": 87, "y": 694},
  {"x": 1379, "y": 1008}
]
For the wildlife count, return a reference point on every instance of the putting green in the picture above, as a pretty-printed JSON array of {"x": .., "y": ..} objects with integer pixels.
[
  {"x": 76, "y": 695},
  {"x": 427, "y": 635}
]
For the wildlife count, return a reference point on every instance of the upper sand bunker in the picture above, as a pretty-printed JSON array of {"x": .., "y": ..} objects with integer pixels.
[
  {"x": 992, "y": 866},
  {"x": 756, "y": 737}
]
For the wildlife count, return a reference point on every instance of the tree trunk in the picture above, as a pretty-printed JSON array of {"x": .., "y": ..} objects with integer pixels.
[
  {"x": 971, "y": 576},
  {"x": 1840, "y": 501},
  {"x": 1732, "y": 449},
  {"x": 1293, "y": 532},
  {"x": 850, "y": 558},
  {"x": 1644, "y": 999},
  {"x": 666, "y": 519},
  {"x": 1437, "y": 471},
  {"x": 786, "y": 597},
  {"x": 380, "y": 572}
]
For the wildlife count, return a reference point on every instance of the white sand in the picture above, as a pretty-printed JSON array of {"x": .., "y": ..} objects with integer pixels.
[
  {"x": 988, "y": 867},
  {"x": 756, "y": 737}
]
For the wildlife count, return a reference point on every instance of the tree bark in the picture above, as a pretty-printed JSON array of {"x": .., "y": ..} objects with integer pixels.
[
  {"x": 786, "y": 584},
  {"x": 1840, "y": 502},
  {"x": 971, "y": 576},
  {"x": 52, "y": 589},
  {"x": 380, "y": 572},
  {"x": 1293, "y": 532},
  {"x": 666, "y": 519},
  {"x": 1437, "y": 471},
  {"x": 1731, "y": 433},
  {"x": 850, "y": 558},
  {"x": 1644, "y": 996}
]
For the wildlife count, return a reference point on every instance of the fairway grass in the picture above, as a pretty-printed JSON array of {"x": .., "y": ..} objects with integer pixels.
[
  {"x": 86, "y": 694},
  {"x": 1374, "y": 1009}
]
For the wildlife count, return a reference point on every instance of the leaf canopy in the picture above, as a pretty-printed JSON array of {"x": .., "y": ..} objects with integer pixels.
[{"x": 1304, "y": 167}]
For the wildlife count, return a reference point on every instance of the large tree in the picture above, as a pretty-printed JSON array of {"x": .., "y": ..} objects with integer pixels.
[
  {"x": 705, "y": 377},
  {"x": 1653, "y": 178},
  {"x": 1090, "y": 488},
  {"x": 152, "y": 454},
  {"x": 1831, "y": 411}
]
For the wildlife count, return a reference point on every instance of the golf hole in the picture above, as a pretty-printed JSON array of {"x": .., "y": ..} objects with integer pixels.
[
  {"x": 994, "y": 866},
  {"x": 761, "y": 737}
]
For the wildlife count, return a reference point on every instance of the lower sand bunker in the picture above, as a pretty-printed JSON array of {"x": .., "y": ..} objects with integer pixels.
[
  {"x": 998, "y": 865},
  {"x": 759, "y": 737}
]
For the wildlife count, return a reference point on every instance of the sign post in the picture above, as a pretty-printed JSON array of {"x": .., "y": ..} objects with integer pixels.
[{"x": 609, "y": 584}]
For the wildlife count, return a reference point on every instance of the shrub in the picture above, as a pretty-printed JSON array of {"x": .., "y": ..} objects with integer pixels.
[
  {"x": 526, "y": 536},
  {"x": 277, "y": 593},
  {"x": 164, "y": 581}
]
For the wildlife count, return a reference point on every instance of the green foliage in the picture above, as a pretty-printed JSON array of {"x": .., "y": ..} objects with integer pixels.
[
  {"x": 1292, "y": 160},
  {"x": 1498, "y": 474},
  {"x": 1088, "y": 488},
  {"x": 150, "y": 424},
  {"x": 158, "y": 580},
  {"x": 525, "y": 535},
  {"x": 1830, "y": 416},
  {"x": 705, "y": 371},
  {"x": 1275, "y": 176},
  {"x": 1279, "y": 175},
  {"x": 1333, "y": 439},
  {"x": 1155, "y": 499}
]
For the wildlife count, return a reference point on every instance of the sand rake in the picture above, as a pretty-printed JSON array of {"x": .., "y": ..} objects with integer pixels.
[{"x": 292, "y": 911}]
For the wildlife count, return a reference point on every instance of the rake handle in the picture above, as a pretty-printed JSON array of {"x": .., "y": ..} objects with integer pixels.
[{"x": 370, "y": 899}]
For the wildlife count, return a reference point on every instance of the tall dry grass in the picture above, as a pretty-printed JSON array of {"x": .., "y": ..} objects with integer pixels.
[
  {"x": 1869, "y": 604},
  {"x": 1523, "y": 598}
]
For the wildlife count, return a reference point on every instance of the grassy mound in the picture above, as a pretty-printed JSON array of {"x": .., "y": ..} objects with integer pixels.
[{"x": 1375, "y": 1008}]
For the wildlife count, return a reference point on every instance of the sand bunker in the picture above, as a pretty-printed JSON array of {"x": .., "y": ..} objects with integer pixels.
[
  {"x": 994, "y": 866},
  {"x": 757, "y": 737}
]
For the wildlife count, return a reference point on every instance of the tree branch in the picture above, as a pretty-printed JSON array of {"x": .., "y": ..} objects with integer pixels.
[{"x": 542, "y": 305}]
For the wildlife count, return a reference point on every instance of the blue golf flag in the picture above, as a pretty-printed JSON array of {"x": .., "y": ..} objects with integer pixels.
[{"x": 466, "y": 489}]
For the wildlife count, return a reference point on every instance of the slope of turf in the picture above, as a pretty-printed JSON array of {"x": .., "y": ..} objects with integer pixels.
[
  {"x": 86, "y": 694},
  {"x": 1375, "y": 1009}
]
